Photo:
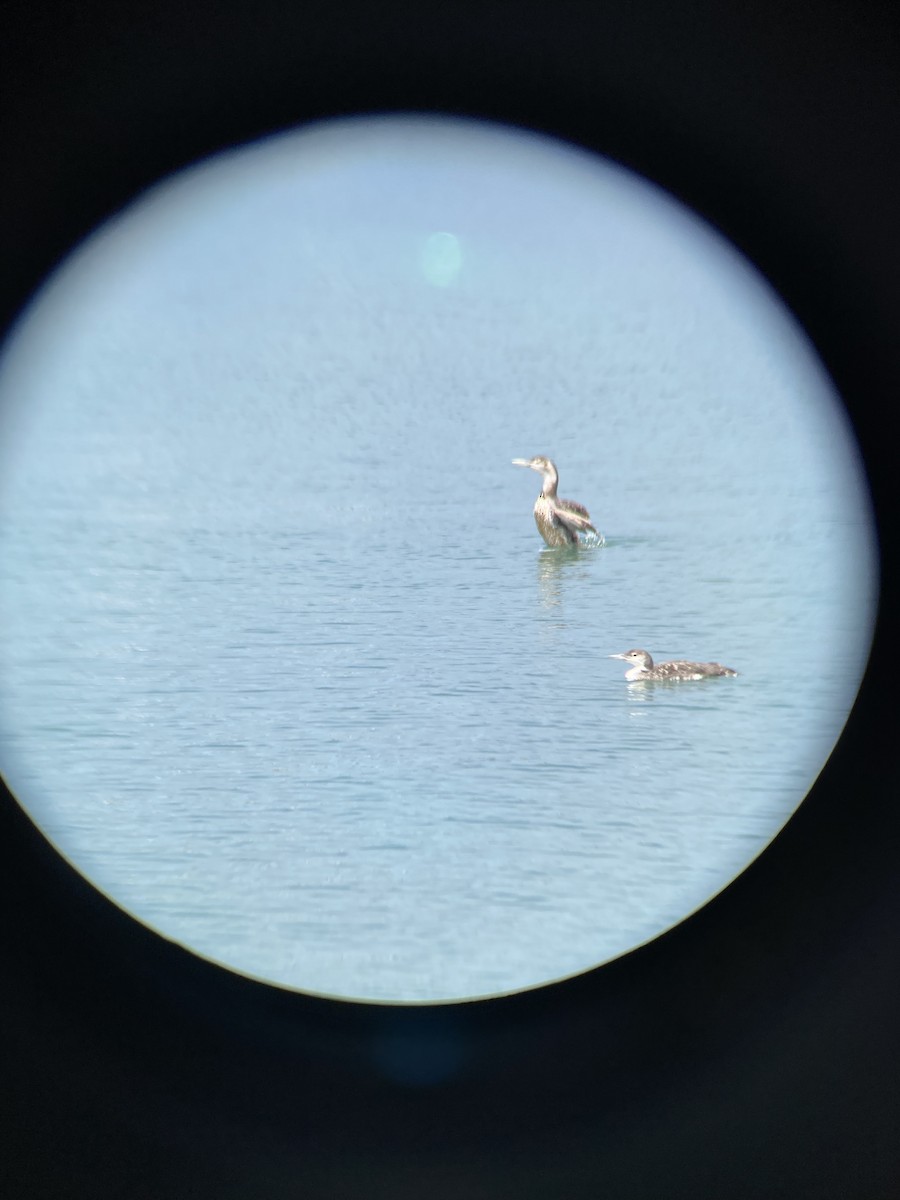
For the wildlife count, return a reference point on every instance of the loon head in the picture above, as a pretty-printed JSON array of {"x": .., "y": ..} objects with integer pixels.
[
  {"x": 546, "y": 467},
  {"x": 637, "y": 658}
]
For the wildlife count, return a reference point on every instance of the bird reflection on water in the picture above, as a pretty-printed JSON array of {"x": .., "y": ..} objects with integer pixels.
[{"x": 553, "y": 568}]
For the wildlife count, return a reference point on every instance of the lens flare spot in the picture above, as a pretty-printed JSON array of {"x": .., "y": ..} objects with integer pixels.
[{"x": 441, "y": 259}]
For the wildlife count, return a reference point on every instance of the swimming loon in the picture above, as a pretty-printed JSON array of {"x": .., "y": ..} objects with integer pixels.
[
  {"x": 643, "y": 668},
  {"x": 559, "y": 522}
]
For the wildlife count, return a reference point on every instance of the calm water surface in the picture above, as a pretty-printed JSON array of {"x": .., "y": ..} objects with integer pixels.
[{"x": 287, "y": 671}]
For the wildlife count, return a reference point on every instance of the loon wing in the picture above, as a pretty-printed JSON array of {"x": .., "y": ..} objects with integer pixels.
[
  {"x": 574, "y": 507},
  {"x": 574, "y": 522},
  {"x": 664, "y": 670},
  {"x": 692, "y": 669}
]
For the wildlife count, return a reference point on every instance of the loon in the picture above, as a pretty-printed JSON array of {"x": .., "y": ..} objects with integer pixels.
[
  {"x": 643, "y": 668},
  {"x": 559, "y": 522}
]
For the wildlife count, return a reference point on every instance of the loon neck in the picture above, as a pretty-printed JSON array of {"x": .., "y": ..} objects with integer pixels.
[{"x": 550, "y": 484}]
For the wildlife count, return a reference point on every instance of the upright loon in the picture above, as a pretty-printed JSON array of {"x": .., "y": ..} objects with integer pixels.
[
  {"x": 643, "y": 668},
  {"x": 559, "y": 522}
]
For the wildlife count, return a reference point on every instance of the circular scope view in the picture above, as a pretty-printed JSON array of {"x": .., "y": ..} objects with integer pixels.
[{"x": 434, "y": 562}]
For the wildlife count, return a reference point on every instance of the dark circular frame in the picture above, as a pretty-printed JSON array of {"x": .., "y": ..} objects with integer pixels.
[{"x": 750, "y": 1052}]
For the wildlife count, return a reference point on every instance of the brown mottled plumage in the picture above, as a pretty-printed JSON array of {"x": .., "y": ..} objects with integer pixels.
[
  {"x": 559, "y": 522},
  {"x": 678, "y": 670}
]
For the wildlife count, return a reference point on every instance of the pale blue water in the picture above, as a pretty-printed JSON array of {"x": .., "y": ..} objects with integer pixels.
[{"x": 287, "y": 671}]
